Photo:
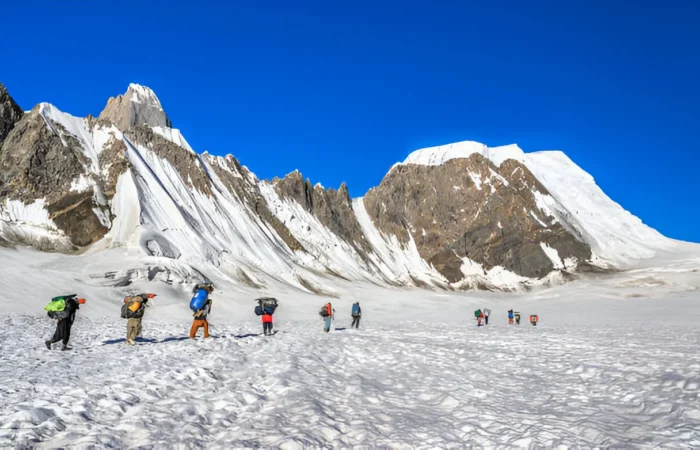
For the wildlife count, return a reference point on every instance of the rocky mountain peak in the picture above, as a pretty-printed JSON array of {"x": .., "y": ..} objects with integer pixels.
[
  {"x": 10, "y": 113},
  {"x": 138, "y": 106}
]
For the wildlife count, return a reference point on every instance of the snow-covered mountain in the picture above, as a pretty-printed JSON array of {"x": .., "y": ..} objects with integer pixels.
[{"x": 453, "y": 217}]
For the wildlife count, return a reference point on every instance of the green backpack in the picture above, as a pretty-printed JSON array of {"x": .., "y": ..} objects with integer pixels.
[{"x": 58, "y": 304}]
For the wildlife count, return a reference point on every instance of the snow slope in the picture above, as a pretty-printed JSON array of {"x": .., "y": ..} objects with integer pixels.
[
  {"x": 612, "y": 362},
  {"x": 616, "y": 236},
  {"x": 158, "y": 212}
]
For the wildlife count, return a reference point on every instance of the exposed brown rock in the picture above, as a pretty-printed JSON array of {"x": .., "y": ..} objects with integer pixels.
[
  {"x": 35, "y": 164},
  {"x": 74, "y": 215},
  {"x": 113, "y": 161},
  {"x": 332, "y": 208},
  {"x": 138, "y": 106},
  {"x": 450, "y": 216}
]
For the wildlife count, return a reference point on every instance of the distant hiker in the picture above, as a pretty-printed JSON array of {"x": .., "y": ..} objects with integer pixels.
[
  {"x": 133, "y": 309},
  {"x": 201, "y": 307},
  {"x": 356, "y": 315},
  {"x": 327, "y": 312},
  {"x": 534, "y": 319},
  {"x": 487, "y": 313},
  {"x": 510, "y": 317},
  {"x": 266, "y": 308},
  {"x": 200, "y": 320},
  {"x": 479, "y": 317},
  {"x": 517, "y": 318},
  {"x": 62, "y": 309}
]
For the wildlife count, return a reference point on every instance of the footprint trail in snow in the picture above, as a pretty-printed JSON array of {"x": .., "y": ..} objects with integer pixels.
[{"x": 412, "y": 383}]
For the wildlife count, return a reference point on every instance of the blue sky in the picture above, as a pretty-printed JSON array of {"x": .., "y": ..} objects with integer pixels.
[{"x": 343, "y": 90}]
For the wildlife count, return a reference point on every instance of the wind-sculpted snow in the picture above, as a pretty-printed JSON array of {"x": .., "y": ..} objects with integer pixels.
[{"x": 387, "y": 384}]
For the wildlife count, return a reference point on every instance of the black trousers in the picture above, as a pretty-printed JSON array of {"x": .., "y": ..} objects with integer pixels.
[
  {"x": 267, "y": 328},
  {"x": 62, "y": 332},
  {"x": 486, "y": 319},
  {"x": 355, "y": 322}
]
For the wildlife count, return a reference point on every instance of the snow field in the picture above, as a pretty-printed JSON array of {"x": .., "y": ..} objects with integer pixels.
[{"x": 389, "y": 384}]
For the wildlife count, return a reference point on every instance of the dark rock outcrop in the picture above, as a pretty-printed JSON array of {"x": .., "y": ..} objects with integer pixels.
[
  {"x": 469, "y": 207},
  {"x": 36, "y": 163},
  {"x": 10, "y": 113},
  {"x": 333, "y": 208}
]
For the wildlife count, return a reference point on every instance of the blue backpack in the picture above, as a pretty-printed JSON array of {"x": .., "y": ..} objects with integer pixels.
[
  {"x": 199, "y": 299},
  {"x": 356, "y": 309}
]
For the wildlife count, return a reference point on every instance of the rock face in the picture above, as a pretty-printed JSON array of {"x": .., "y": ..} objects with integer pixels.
[
  {"x": 471, "y": 208},
  {"x": 10, "y": 113},
  {"x": 42, "y": 162},
  {"x": 442, "y": 219},
  {"x": 138, "y": 106},
  {"x": 333, "y": 208}
]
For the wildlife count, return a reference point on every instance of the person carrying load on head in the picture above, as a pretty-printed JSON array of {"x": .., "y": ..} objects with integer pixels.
[
  {"x": 356, "y": 315},
  {"x": 201, "y": 308},
  {"x": 133, "y": 309},
  {"x": 487, "y": 313},
  {"x": 266, "y": 308},
  {"x": 327, "y": 313},
  {"x": 479, "y": 317},
  {"x": 63, "y": 309},
  {"x": 517, "y": 317},
  {"x": 534, "y": 319},
  {"x": 510, "y": 317}
]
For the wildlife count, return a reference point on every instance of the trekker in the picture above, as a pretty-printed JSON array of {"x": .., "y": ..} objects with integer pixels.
[
  {"x": 487, "y": 313},
  {"x": 510, "y": 317},
  {"x": 201, "y": 307},
  {"x": 266, "y": 308},
  {"x": 327, "y": 312},
  {"x": 517, "y": 317},
  {"x": 534, "y": 319},
  {"x": 133, "y": 310},
  {"x": 200, "y": 320},
  {"x": 479, "y": 317},
  {"x": 356, "y": 315},
  {"x": 63, "y": 310}
]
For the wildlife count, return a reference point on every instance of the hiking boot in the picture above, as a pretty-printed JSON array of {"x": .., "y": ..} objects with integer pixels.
[
  {"x": 65, "y": 347},
  {"x": 130, "y": 342},
  {"x": 48, "y": 344}
]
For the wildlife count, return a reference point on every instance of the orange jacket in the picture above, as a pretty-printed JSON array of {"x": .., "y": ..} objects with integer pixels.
[{"x": 329, "y": 308}]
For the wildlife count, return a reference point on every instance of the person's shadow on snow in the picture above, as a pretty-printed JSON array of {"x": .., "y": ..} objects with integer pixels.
[{"x": 123, "y": 340}]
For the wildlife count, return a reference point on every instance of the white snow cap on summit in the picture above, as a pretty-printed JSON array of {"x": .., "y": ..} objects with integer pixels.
[
  {"x": 143, "y": 94},
  {"x": 436, "y": 156}
]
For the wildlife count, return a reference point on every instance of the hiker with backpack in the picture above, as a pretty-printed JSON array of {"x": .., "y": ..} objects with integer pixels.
[
  {"x": 63, "y": 309},
  {"x": 200, "y": 320},
  {"x": 479, "y": 317},
  {"x": 487, "y": 313},
  {"x": 266, "y": 308},
  {"x": 133, "y": 309},
  {"x": 201, "y": 307},
  {"x": 356, "y": 315},
  {"x": 517, "y": 317},
  {"x": 510, "y": 317},
  {"x": 327, "y": 313}
]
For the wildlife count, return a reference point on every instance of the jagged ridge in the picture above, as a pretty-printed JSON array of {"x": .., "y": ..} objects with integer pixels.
[{"x": 457, "y": 216}]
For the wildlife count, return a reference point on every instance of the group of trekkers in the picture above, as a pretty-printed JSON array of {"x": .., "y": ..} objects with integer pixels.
[
  {"x": 63, "y": 309},
  {"x": 482, "y": 317}
]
